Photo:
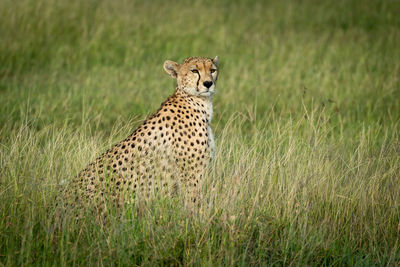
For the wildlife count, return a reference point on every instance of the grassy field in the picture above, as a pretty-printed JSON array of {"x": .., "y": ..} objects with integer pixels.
[{"x": 306, "y": 121}]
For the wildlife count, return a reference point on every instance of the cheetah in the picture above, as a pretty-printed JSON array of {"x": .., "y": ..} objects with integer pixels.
[{"x": 169, "y": 151}]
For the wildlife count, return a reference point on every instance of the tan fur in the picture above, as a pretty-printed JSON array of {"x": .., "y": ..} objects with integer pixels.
[{"x": 171, "y": 150}]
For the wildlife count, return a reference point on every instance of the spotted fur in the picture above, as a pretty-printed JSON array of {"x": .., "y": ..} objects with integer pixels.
[{"x": 170, "y": 151}]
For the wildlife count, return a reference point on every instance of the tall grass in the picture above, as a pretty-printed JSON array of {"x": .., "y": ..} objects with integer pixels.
[{"x": 306, "y": 121}]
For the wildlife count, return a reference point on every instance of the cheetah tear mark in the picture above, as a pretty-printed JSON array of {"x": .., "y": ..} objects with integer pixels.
[{"x": 197, "y": 83}]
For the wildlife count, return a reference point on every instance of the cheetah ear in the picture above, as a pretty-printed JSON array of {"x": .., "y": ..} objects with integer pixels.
[
  {"x": 215, "y": 61},
  {"x": 171, "y": 68}
]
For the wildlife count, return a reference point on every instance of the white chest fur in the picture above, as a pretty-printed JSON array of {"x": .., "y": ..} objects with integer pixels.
[
  {"x": 209, "y": 111},
  {"x": 211, "y": 141}
]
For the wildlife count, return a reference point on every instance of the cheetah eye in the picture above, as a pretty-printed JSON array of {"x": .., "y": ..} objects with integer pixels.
[
  {"x": 213, "y": 70},
  {"x": 195, "y": 71}
]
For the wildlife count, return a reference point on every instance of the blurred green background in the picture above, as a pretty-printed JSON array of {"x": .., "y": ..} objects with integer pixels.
[{"x": 104, "y": 58}]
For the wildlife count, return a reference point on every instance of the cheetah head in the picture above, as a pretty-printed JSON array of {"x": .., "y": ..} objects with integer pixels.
[{"x": 196, "y": 75}]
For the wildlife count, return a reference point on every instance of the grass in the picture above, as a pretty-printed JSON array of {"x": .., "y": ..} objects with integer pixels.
[{"x": 306, "y": 121}]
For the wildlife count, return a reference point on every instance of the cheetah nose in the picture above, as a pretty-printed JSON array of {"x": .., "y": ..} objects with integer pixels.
[{"x": 208, "y": 84}]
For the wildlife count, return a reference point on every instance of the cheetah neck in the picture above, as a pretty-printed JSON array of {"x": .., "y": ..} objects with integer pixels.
[{"x": 203, "y": 103}]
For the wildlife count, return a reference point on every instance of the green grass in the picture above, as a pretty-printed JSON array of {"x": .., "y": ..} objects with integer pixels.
[{"x": 306, "y": 121}]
